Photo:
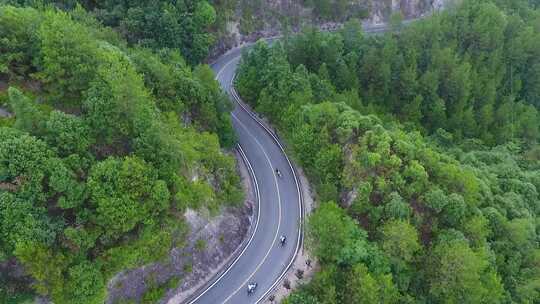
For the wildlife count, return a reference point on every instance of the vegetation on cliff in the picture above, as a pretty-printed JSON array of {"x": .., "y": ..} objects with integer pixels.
[
  {"x": 108, "y": 145},
  {"x": 422, "y": 145}
]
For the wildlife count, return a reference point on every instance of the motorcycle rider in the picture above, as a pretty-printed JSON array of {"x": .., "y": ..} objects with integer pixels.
[{"x": 251, "y": 287}]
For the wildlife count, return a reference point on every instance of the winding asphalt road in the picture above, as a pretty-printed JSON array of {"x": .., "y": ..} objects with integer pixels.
[
  {"x": 279, "y": 211},
  {"x": 262, "y": 260}
]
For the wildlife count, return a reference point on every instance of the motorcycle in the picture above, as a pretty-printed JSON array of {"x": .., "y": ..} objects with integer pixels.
[
  {"x": 282, "y": 240},
  {"x": 251, "y": 288}
]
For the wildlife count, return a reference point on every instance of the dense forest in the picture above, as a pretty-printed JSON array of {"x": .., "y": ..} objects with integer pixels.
[
  {"x": 422, "y": 147},
  {"x": 208, "y": 27},
  {"x": 192, "y": 26},
  {"x": 109, "y": 142}
]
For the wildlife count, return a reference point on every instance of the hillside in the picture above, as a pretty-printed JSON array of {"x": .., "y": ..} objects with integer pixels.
[
  {"x": 107, "y": 147},
  {"x": 422, "y": 146},
  {"x": 246, "y": 21},
  {"x": 199, "y": 28}
]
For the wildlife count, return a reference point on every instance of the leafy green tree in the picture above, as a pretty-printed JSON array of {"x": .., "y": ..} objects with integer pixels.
[
  {"x": 45, "y": 267},
  {"x": 68, "y": 57},
  {"x": 300, "y": 298},
  {"x": 330, "y": 230},
  {"x": 323, "y": 8},
  {"x": 29, "y": 117},
  {"x": 323, "y": 285},
  {"x": 67, "y": 133},
  {"x": 31, "y": 167},
  {"x": 18, "y": 28},
  {"x": 329, "y": 160},
  {"x": 416, "y": 206},
  {"x": 75, "y": 209},
  {"x": 162, "y": 24},
  {"x": 459, "y": 275},
  {"x": 363, "y": 287},
  {"x": 476, "y": 229},
  {"x": 23, "y": 222},
  {"x": 86, "y": 284},
  {"x": 397, "y": 208},
  {"x": 253, "y": 64},
  {"x": 125, "y": 193},
  {"x": 400, "y": 241},
  {"x": 352, "y": 35},
  {"x": 215, "y": 114}
]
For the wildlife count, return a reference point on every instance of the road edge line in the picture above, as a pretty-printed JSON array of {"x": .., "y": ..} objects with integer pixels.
[
  {"x": 300, "y": 241},
  {"x": 246, "y": 245}
]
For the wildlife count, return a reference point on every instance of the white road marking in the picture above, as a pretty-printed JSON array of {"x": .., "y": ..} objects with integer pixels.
[
  {"x": 226, "y": 65},
  {"x": 252, "y": 172},
  {"x": 279, "y": 214},
  {"x": 250, "y": 168},
  {"x": 231, "y": 88},
  {"x": 300, "y": 199}
]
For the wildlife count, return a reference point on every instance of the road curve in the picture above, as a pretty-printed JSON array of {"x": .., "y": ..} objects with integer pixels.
[
  {"x": 263, "y": 260},
  {"x": 280, "y": 201}
]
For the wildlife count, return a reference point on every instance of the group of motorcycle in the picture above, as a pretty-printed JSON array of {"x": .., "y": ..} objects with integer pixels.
[{"x": 282, "y": 240}]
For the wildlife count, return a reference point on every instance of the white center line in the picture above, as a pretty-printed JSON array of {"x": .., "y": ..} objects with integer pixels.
[{"x": 279, "y": 216}]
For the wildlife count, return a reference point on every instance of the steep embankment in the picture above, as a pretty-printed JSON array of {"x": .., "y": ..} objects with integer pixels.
[
  {"x": 430, "y": 210},
  {"x": 102, "y": 157},
  {"x": 247, "y": 21}
]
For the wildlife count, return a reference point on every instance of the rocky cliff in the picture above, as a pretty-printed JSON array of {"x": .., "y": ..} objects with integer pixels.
[{"x": 252, "y": 19}]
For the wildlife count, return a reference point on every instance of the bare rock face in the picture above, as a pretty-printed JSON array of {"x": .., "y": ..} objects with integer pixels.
[
  {"x": 267, "y": 17},
  {"x": 210, "y": 243},
  {"x": 12, "y": 270},
  {"x": 349, "y": 197},
  {"x": 410, "y": 8},
  {"x": 209, "y": 248},
  {"x": 4, "y": 113}
]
